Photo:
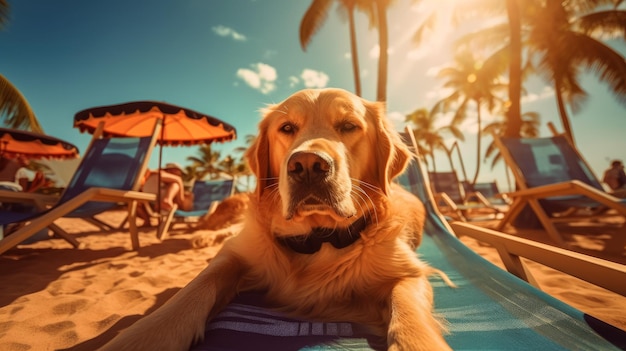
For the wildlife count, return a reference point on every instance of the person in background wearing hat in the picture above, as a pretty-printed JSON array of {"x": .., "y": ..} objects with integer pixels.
[
  {"x": 15, "y": 175},
  {"x": 615, "y": 178},
  {"x": 172, "y": 190}
]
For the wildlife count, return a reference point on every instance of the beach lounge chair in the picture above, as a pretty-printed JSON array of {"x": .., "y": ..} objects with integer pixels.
[
  {"x": 491, "y": 192},
  {"x": 457, "y": 199},
  {"x": 555, "y": 182},
  {"x": 490, "y": 309},
  {"x": 207, "y": 195},
  {"x": 109, "y": 174}
]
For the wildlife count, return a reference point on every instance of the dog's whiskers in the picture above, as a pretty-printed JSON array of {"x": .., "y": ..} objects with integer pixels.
[
  {"x": 368, "y": 186},
  {"x": 362, "y": 195}
]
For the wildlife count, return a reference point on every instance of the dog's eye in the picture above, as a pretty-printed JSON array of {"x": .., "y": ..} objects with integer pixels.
[
  {"x": 288, "y": 128},
  {"x": 346, "y": 127}
]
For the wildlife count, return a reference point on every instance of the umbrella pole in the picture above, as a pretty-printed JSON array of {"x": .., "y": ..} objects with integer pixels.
[{"x": 159, "y": 172}]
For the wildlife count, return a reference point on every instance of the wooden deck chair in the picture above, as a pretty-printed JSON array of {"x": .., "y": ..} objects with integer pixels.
[
  {"x": 492, "y": 193},
  {"x": 457, "y": 199},
  {"x": 109, "y": 174},
  {"x": 490, "y": 309},
  {"x": 556, "y": 182},
  {"x": 206, "y": 196}
]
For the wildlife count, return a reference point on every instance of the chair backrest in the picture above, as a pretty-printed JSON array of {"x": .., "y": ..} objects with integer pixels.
[
  {"x": 549, "y": 160},
  {"x": 113, "y": 163},
  {"x": 447, "y": 182},
  {"x": 205, "y": 192}
]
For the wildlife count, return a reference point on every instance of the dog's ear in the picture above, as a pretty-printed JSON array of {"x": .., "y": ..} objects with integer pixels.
[
  {"x": 392, "y": 155},
  {"x": 258, "y": 157}
]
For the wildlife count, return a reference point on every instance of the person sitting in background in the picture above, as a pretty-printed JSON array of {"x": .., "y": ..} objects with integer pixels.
[
  {"x": 615, "y": 178},
  {"x": 172, "y": 190},
  {"x": 15, "y": 175}
]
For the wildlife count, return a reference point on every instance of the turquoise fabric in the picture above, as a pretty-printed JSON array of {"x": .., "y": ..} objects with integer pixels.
[
  {"x": 204, "y": 193},
  {"x": 489, "y": 310}
]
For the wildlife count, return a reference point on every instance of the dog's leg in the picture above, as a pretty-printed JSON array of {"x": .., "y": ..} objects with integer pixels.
[
  {"x": 180, "y": 322},
  {"x": 412, "y": 325}
]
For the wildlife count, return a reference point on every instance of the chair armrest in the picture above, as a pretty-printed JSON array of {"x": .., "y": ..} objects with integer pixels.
[{"x": 605, "y": 274}]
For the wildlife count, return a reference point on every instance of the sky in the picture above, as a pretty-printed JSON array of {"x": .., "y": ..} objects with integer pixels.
[{"x": 230, "y": 58}]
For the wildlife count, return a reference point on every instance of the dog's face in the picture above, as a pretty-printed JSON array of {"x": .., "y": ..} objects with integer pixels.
[{"x": 323, "y": 154}]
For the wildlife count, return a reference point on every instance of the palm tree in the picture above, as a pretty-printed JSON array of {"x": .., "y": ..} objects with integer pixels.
[
  {"x": 313, "y": 20},
  {"x": 4, "y": 13},
  {"x": 242, "y": 166},
  {"x": 227, "y": 165},
  {"x": 376, "y": 10},
  {"x": 509, "y": 52},
  {"x": 429, "y": 136},
  {"x": 471, "y": 80},
  {"x": 14, "y": 109},
  {"x": 383, "y": 46},
  {"x": 561, "y": 37},
  {"x": 205, "y": 163},
  {"x": 514, "y": 106}
]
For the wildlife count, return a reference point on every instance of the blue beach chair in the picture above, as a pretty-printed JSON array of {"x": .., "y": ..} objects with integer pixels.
[
  {"x": 109, "y": 173},
  {"x": 555, "y": 184},
  {"x": 206, "y": 196},
  {"x": 490, "y": 309}
]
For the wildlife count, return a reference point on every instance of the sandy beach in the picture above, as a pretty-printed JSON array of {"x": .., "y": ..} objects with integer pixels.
[{"x": 55, "y": 297}]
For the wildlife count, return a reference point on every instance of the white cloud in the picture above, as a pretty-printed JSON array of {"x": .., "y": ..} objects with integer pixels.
[
  {"x": 293, "y": 81},
  {"x": 314, "y": 79},
  {"x": 261, "y": 77},
  {"x": 397, "y": 119},
  {"x": 434, "y": 70},
  {"x": 375, "y": 51},
  {"x": 418, "y": 54},
  {"x": 547, "y": 92},
  {"x": 439, "y": 93},
  {"x": 224, "y": 31}
]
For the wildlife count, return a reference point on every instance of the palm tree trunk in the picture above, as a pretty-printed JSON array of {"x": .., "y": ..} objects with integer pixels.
[
  {"x": 567, "y": 128},
  {"x": 355, "y": 55},
  {"x": 449, "y": 154},
  {"x": 432, "y": 157},
  {"x": 479, "y": 136},
  {"x": 383, "y": 42},
  {"x": 513, "y": 113}
]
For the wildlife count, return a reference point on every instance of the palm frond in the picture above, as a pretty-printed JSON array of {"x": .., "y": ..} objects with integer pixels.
[
  {"x": 425, "y": 28},
  {"x": 4, "y": 13},
  {"x": 604, "y": 24},
  {"x": 487, "y": 38},
  {"x": 14, "y": 108},
  {"x": 313, "y": 19},
  {"x": 608, "y": 64}
]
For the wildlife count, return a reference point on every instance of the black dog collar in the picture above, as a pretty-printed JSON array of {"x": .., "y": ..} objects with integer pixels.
[{"x": 312, "y": 242}]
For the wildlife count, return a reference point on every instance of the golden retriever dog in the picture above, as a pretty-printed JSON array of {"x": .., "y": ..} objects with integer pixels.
[{"x": 328, "y": 236}]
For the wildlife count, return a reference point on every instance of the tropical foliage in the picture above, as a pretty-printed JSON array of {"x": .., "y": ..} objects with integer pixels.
[
  {"x": 314, "y": 18},
  {"x": 430, "y": 135},
  {"x": 15, "y": 112},
  {"x": 376, "y": 11},
  {"x": 561, "y": 41},
  {"x": 471, "y": 82}
]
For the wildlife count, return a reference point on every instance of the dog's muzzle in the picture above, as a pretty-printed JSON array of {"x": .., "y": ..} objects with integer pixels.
[
  {"x": 315, "y": 186},
  {"x": 310, "y": 167}
]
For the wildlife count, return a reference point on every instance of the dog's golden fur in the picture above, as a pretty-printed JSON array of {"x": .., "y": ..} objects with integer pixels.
[
  {"x": 224, "y": 222},
  {"x": 323, "y": 158}
]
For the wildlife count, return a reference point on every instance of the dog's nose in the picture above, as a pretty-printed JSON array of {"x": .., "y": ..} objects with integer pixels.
[{"x": 309, "y": 167}]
